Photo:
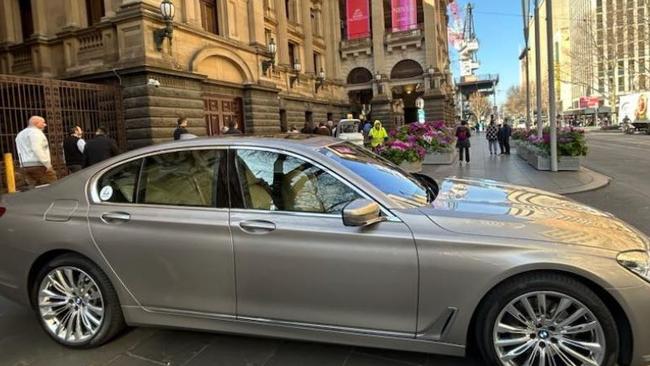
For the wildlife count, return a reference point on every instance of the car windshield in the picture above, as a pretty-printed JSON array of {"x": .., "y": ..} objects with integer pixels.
[{"x": 399, "y": 186}]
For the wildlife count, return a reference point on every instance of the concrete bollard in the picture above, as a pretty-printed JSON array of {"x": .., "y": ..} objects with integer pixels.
[{"x": 10, "y": 173}]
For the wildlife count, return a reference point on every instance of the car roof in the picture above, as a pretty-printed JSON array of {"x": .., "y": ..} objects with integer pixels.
[{"x": 294, "y": 141}]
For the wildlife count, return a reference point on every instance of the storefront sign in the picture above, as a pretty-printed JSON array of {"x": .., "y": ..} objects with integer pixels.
[
  {"x": 589, "y": 102},
  {"x": 358, "y": 19},
  {"x": 405, "y": 15}
]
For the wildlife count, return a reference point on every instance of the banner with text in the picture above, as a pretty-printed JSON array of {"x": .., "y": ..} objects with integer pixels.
[
  {"x": 358, "y": 18},
  {"x": 405, "y": 15}
]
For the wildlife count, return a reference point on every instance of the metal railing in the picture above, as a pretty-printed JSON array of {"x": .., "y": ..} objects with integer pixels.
[{"x": 63, "y": 104}]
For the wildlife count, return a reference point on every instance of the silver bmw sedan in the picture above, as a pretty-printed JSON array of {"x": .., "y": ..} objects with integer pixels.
[{"x": 316, "y": 239}]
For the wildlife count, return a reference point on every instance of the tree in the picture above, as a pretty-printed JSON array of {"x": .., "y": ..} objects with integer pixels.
[
  {"x": 515, "y": 105},
  {"x": 479, "y": 105}
]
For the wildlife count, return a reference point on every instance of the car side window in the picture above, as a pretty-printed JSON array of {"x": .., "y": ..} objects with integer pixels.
[
  {"x": 279, "y": 182},
  {"x": 181, "y": 178},
  {"x": 118, "y": 184}
]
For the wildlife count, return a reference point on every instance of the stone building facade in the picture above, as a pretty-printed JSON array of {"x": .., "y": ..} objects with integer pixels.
[
  {"x": 388, "y": 68},
  {"x": 210, "y": 72}
]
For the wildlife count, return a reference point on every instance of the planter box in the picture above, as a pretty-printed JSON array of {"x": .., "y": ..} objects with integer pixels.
[
  {"x": 444, "y": 158},
  {"x": 411, "y": 167},
  {"x": 564, "y": 163}
]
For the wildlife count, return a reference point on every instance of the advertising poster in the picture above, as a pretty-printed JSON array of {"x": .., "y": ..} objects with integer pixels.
[
  {"x": 358, "y": 18},
  {"x": 634, "y": 106},
  {"x": 405, "y": 15}
]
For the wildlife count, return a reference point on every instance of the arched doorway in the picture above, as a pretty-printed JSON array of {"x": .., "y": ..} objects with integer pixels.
[
  {"x": 407, "y": 86},
  {"x": 359, "y": 90}
]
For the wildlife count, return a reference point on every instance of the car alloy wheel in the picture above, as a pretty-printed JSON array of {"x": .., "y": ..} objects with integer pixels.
[
  {"x": 71, "y": 305},
  {"x": 548, "y": 328}
]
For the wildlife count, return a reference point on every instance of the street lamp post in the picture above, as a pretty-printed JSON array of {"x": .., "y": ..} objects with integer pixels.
[
  {"x": 538, "y": 73},
  {"x": 525, "y": 7},
  {"x": 551, "y": 83}
]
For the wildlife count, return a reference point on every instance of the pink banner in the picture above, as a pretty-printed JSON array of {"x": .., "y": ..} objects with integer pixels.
[
  {"x": 405, "y": 15},
  {"x": 358, "y": 18}
]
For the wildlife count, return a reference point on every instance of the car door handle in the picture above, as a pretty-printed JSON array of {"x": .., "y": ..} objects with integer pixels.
[
  {"x": 257, "y": 226},
  {"x": 115, "y": 217}
]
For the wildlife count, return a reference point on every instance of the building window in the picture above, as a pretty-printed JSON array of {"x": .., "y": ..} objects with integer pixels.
[
  {"x": 210, "y": 16},
  {"x": 290, "y": 8},
  {"x": 26, "y": 19},
  {"x": 94, "y": 11},
  {"x": 315, "y": 22},
  {"x": 317, "y": 63},
  {"x": 294, "y": 57}
]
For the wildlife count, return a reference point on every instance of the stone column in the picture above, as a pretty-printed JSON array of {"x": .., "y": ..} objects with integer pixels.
[
  {"x": 191, "y": 13},
  {"x": 109, "y": 9},
  {"x": 283, "y": 36},
  {"x": 73, "y": 14},
  {"x": 256, "y": 23},
  {"x": 431, "y": 11},
  {"x": 308, "y": 61},
  {"x": 39, "y": 14},
  {"x": 378, "y": 34},
  {"x": 10, "y": 27},
  {"x": 331, "y": 29}
]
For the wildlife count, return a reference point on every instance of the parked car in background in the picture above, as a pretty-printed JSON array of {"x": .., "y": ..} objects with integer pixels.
[
  {"x": 313, "y": 238},
  {"x": 349, "y": 130}
]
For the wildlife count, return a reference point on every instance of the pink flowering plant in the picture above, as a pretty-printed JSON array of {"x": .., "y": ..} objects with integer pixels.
[
  {"x": 570, "y": 142},
  {"x": 398, "y": 151},
  {"x": 521, "y": 134},
  {"x": 433, "y": 136}
]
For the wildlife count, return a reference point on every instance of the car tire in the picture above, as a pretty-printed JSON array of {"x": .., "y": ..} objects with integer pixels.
[
  {"x": 94, "y": 291},
  {"x": 550, "y": 287}
]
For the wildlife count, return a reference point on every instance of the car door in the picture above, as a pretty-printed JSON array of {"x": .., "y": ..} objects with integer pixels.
[
  {"x": 295, "y": 260},
  {"x": 162, "y": 224}
]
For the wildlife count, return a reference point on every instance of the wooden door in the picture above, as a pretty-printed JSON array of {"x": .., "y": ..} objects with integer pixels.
[{"x": 220, "y": 111}]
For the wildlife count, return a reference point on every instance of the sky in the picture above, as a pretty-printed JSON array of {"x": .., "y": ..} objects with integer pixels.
[{"x": 498, "y": 25}]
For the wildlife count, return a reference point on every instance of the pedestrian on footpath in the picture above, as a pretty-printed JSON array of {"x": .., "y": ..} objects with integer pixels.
[
  {"x": 73, "y": 150},
  {"x": 463, "y": 133},
  {"x": 34, "y": 153},
  {"x": 377, "y": 134},
  {"x": 181, "y": 128},
  {"x": 492, "y": 135},
  {"x": 307, "y": 129},
  {"x": 500, "y": 139},
  {"x": 323, "y": 130},
  {"x": 100, "y": 148},
  {"x": 507, "y": 132},
  {"x": 232, "y": 129}
]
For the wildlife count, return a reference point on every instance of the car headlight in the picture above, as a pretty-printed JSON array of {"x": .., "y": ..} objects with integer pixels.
[{"x": 636, "y": 261}]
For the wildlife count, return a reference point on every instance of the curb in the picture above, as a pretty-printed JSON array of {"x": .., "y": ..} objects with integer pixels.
[{"x": 598, "y": 181}]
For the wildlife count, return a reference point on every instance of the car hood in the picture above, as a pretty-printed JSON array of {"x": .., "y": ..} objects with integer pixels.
[{"x": 489, "y": 208}]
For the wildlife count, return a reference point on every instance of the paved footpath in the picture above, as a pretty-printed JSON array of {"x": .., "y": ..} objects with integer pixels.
[{"x": 512, "y": 169}]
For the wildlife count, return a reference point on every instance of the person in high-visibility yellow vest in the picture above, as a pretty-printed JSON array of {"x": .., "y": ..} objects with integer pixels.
[{"x": 377, "y": 134}]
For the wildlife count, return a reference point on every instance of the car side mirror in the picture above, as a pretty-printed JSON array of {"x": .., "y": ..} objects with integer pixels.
[{"x": 362, "y": 212}]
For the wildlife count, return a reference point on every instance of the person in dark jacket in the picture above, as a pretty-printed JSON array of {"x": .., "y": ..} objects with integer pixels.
[
  {"x": 100, "y": 148},
  {"x": 507, "y": 132},
  {"x": 462, "y": 141},
  {"x": 232, "y": 129},
  {"x": 181, "y": 128},
  {"x": 323, "y": 130},
  {"x": 73, "y": 150},
  {"x": 500, "y": 138}
]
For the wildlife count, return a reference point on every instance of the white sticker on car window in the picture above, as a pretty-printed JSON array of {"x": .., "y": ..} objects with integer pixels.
[{"x": 106, "y": 193}]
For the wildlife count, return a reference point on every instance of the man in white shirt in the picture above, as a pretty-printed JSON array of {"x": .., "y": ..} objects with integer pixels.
[{"x": 34, "y": 153}]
